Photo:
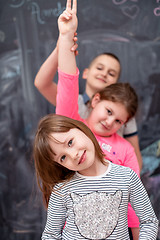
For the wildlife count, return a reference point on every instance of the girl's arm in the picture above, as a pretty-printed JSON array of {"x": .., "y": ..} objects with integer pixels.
[
  {"x": 141, "y": 204},
  {"x": 131, "y": 160},
  {"x": 67, "y": 24},
  {"x": 56, "y": 217},
  {"x": 135, "y": 143},
  {"x": 68, "y": 86},
  {"x": 130, "y": 133}
]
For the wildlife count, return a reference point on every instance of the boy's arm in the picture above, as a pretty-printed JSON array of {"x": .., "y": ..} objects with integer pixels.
[{"x": 44, "y": 78}]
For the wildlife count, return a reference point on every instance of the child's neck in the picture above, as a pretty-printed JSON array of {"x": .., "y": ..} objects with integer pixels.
[
  {"x": 88, "y": 123},
  {"x": 96, "y": 170},
  {"x": 89, "y": 91}
]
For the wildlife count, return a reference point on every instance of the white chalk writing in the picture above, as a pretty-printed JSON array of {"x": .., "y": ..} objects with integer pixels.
[
  {"x": 17, "y": 3},
  {"x": 41, "y": 14}
]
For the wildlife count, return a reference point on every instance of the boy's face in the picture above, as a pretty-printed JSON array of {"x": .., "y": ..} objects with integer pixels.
[{"x": 104, "y": 70}]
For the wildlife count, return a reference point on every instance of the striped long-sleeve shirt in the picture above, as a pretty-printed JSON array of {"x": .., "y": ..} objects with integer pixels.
[{"x": 96, "y": 207}]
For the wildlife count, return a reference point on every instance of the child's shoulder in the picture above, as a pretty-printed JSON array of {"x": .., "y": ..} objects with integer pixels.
[
  {"x": 120, "y": 140},
  {"x": 122, "y": 170},
  {"x": 65, "y": 185}
]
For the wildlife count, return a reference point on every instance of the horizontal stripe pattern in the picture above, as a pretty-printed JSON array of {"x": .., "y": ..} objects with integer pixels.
[{"x": 60, "y": 209}]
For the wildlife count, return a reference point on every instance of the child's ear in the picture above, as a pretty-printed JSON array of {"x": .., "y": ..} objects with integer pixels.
[
  {"x": 85, "y": 73},
  {"x": 96, "y": 99}
]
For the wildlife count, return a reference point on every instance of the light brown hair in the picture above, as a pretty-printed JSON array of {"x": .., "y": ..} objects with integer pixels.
[{"x": 48, "y": 171}]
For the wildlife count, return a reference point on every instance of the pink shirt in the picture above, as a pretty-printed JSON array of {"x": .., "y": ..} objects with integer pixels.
[{"x": 117, "y": 149}]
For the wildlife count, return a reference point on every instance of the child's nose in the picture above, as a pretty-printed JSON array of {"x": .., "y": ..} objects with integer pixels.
[
  {"x": 110, "y": 121},
  {"x": 104, "y": 73},
  {"x": 73, "y": 153}
]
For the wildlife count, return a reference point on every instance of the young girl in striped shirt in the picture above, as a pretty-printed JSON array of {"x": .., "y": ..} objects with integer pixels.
[{"x": 86, "y": 195}]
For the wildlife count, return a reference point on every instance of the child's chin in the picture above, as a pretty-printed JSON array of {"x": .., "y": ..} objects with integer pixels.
[{"x": 103, "y": 134}]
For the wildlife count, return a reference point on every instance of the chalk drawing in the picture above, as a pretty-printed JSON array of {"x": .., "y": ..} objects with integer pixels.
[
  {"x": 35, "y": 10},
  {"x": 17, "y": 3},
  {"x": 157, "y": 11},
  {"x": 119, "y": 2},
  {"x": 131, "y": 11},
  {"x": 54, "y": 12}
]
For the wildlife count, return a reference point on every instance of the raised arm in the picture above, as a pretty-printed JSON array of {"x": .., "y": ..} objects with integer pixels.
[
  {"x": 67, "y": 24},
  {"x": 44, "y": 78},
  {"x": 68, "y": 86}
]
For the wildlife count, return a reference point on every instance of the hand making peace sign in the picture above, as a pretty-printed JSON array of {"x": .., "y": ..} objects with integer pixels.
[{"x": 67, "y": 21}]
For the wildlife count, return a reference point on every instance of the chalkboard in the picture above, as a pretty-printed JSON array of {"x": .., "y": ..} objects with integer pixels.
[{"x": 28, "y": 33}]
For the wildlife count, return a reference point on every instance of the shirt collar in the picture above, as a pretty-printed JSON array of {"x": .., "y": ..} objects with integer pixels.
[{"x": 86, "y": 99}]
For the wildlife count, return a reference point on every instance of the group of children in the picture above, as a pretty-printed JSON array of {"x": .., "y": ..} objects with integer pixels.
[{"x": 88, "y": 173}]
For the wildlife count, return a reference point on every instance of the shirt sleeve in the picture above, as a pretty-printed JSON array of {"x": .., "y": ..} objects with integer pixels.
[
  {"x": 130, "y": 158},
  {"x": 67, "y": 95},
  {"x": 142, "y": 206},
  {"x": 132, "y": 162},
  {"x": 130, "y": 128},
  {"x": 55, "y": 217}
]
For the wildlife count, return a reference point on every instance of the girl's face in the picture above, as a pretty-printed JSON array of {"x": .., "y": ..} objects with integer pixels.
[
  {"x": 106, "y": 117},
  {"x": 74, "y": 150}
]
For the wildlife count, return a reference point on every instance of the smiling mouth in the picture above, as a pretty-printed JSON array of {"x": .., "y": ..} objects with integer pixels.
[
  {"x": 105, "y": 126},
  {"x": 83, "y": 157},
  {"x": 102, "y": 80}
]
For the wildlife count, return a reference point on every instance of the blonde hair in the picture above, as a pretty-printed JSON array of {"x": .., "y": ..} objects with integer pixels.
[{"x": 48, "y": 171}]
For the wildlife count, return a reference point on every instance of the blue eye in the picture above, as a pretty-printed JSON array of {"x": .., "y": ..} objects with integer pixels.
[
  {"x": 63, "y": 158},
  {"x": 70, "y": 143}
]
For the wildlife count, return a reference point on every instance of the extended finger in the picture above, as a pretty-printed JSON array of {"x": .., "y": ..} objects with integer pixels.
[
  {"x": 74, "y": 6},
  {"x": 68, "y": 4}
]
